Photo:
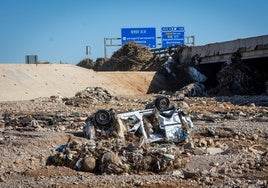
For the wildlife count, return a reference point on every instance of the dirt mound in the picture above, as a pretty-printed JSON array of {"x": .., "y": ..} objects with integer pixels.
[{"x": 130, "y": 57}]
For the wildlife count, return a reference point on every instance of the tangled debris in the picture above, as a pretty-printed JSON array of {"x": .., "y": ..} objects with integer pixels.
[
  {"x": 158, "y": 122},
  {"x": 236, "y": 77},
  {"x": 113, "y": 156},
  {"x": 120, "y": 143},
  {"x": 175, "y": 76}
]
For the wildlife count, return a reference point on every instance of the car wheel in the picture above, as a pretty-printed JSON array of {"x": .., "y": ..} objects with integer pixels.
[
  {"x": 162, "y": 103},
  {"x": 102, "y": 117}
]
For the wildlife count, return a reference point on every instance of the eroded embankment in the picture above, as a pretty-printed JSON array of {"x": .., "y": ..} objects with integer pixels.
[{"x": 28, "y": 81}]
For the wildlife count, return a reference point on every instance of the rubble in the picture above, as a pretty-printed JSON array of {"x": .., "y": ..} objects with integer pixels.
[
  {"x": 113, "y": 158},
  {"x": 227, "y": 146},
  {"x": 44, "y": 121},
  {"x": 91, "y": 95},
  {"x": 123, "y": 140},
  {"x": 236, "y": 78},
  {"x": 192, "y": 90}
]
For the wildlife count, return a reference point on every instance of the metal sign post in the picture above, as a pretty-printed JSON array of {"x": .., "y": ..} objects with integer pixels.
[
  {"x": 88, "y": 50},
  {"x": 111, "y": 40}
]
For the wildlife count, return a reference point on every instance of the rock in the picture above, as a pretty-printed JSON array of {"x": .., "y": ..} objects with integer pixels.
[
  {"x": 204, "y": 172},
  {"x": 169, "y": 156},
  {"x": 35, "y": 124},
  {"x": 89, "y": 164},
  {"x": 198, "y": 151},
  {"x": 193, "y": 90},
  {"x": 214, "y": 151},
  {"x": 177, "y": 163},
  {"x": 2, "y": 179},
  {"x": 189, "y": 174},
  {"x": 220, "y": 105},
  {"x": 202, "y": 142},
  {"x": 177, "y": 173},
  {"x": 237, "y": 181},
  {"x": 208, "y": 181},
  {"x": 2, "y": 123},
  {"x": 2, "y": 139},
  {"x": 242, "y": 114},
  {"x": 255, "y": 137},
  {"x": 183, "y": 105},
  {"x": 210, "y": 142},
  {"x": 213, "y": 171},
  {"x": 111, "y": 163},
  {"x": 62, "y": 128},
  {"x": 189, "y": 146},
  {"x": 111, "y": 157},
  {"x": 223, "y": 170}
]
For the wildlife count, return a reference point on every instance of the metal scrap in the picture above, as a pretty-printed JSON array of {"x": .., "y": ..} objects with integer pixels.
[
  {"x": 131, "y": 142},
  {"x": 160, "y": 123}
]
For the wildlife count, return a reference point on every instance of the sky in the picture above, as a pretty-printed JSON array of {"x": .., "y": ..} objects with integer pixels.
[{"x": 59, "y": 30}]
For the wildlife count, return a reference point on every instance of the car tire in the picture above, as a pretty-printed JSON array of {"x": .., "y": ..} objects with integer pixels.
[
  {"x": 103, "y": 117},
  {"x": 162, "y": 103}
]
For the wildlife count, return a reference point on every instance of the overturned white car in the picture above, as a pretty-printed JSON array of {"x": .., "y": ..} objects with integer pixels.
[{"x": 158, "y": 122}]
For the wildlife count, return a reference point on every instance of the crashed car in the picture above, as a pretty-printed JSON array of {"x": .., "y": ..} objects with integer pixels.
[{"x": 159, "y": 121}]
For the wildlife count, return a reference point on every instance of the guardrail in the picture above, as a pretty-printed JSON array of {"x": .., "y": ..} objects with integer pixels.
[
  {"x": 114, "y": 42},
  {"x": 163, "y": 51}
]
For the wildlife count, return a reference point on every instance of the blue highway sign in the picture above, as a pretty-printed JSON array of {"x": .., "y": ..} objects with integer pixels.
[
  {"x": 172, "y": 36},
  {"x": 142, "y": 36}
]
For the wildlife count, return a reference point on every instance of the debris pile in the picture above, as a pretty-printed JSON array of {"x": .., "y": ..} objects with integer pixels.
[
  {"x": 192, "y": 90},
  {"x": 101, "y": 64},
  {"x": 43, "y": 121},
  {"x": 91, "y": 95},
  {"x": 175, "y": 76},
  {"x": 133, "y": 142},
  {"x": 86, "y": 63},
  {"x": 131, "y": 57},
  {"x": 236, "y": 78},
  {"x": 113, "y": 156}
]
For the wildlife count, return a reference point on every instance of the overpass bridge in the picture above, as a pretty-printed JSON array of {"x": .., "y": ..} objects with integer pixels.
[
  {"x": 210, "y": 60},
  {"x": 249, "y": 48}
]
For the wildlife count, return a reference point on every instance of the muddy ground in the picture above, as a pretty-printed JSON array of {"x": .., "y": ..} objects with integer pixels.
[{"x": 228, "y": 146}]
